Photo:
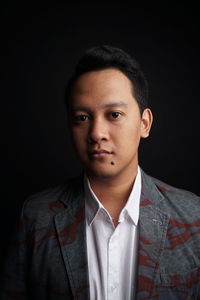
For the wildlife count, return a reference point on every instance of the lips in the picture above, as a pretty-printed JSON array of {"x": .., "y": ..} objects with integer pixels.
[{"x": 99, "y": 153}]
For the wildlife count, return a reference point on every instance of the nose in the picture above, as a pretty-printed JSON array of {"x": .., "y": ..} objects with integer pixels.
[{"x": 98, "y": 131}]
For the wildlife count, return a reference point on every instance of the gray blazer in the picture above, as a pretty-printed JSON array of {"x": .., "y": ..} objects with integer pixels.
[{"x": 48, "y": 257}]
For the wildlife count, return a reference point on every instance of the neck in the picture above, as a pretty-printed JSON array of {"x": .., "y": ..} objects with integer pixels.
[{"x": 113, "y": 193}]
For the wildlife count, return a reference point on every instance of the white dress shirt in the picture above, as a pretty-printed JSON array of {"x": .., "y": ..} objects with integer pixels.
[{"x": 112, "y": 251}]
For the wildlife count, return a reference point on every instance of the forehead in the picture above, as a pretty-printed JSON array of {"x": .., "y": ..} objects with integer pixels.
[{"x": 101, "y": 87}]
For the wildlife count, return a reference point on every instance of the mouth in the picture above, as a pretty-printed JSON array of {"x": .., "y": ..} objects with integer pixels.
[{"x": 99, "y": 153}]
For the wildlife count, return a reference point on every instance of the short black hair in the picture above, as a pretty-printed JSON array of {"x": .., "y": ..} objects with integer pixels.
[{"x": 105, "y": 57}]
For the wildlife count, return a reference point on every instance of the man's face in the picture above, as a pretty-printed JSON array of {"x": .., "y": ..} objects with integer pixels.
[{"x": 106, "y": 124}]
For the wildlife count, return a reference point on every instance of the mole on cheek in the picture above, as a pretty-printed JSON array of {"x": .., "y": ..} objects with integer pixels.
[{"x": 112, "y": 163}]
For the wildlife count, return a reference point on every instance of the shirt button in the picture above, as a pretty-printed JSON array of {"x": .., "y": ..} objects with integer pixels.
[
  {"x": 114, "y": 286},
  {"x": 115, "y": 238}
]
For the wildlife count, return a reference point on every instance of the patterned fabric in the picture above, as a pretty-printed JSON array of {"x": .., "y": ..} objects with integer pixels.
[{"x": 48, "y": 255}]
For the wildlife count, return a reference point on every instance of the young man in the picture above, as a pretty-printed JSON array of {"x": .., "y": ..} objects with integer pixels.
[{"x": 115, "y": 232}]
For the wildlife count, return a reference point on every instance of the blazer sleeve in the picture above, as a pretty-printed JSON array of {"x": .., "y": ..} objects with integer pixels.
[{"x": 15, "y": 266}]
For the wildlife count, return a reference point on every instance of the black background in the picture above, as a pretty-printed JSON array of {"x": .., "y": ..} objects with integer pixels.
[{"x": 40, "y": 44}]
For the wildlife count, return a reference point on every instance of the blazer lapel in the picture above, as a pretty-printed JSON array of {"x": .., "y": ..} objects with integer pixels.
[
  {"x": 153, "y": 225},
  {"x": 71, "y": 231}
]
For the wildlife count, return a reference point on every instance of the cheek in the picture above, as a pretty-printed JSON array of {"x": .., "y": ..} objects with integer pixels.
[
  {"x": 78, "y": 139},
  {"x": 76, "y": 134},
  {"x": 79, "y": 131},
  {"x": 128, "y": 135}
]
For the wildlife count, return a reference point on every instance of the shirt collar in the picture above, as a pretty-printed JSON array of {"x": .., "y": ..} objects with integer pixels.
[
  {"x": 92, "y": 203},
  {"x": 133, "y": 203},
  {"x": 94, "y": 206}
]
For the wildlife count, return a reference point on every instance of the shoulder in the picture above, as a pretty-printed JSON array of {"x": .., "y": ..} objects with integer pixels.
[
  {"x": 170, "y": 190},
  {"x": 51, "y": 200},
  {"x": 176, "y": 202}
]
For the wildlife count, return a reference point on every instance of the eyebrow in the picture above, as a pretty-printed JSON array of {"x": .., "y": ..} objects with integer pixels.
[{"x": 107, "y": 105}]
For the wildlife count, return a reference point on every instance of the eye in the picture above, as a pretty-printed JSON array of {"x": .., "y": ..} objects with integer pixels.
[
  {"x": 81, "y": 118},
  {"x": 115, "y": 114}
]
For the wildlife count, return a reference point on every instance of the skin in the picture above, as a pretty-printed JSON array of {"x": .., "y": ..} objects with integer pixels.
[{"x": 105, "y": 116}]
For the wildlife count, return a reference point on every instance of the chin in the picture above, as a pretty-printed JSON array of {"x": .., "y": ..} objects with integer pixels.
[{"x": 101, "y": 173}]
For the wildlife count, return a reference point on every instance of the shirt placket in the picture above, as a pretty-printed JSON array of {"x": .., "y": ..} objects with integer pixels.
[{"x": 113, "y": 267}]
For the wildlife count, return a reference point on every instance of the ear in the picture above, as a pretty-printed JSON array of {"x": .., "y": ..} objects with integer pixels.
[{"x": 146, "y": 122}]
